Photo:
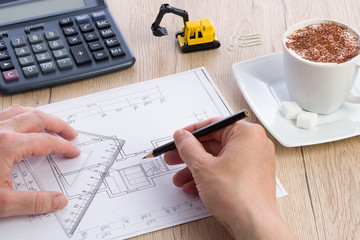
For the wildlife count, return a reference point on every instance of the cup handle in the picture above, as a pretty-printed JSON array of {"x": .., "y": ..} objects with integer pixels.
[{"x": 352, "y": 98}]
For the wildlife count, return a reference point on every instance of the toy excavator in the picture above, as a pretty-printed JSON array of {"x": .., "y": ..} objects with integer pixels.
[{"x": 195, "y": 35}]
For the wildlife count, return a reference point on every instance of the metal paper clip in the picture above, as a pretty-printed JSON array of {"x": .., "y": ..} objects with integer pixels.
[
  {"x": 250, "y": 43},
  {"x": 232, "y": 42},
  {"x": 250, "y": 36},
  {"x": 254, "y": 39}
]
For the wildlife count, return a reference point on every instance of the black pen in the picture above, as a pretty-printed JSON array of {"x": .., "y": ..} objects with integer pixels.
[{"x": 201, "y": 132}]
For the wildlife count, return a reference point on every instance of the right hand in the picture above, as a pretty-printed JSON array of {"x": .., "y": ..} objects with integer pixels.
[{"x": 233, "y": 171}]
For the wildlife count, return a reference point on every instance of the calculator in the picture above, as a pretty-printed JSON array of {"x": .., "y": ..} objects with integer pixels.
[{"x": 50, "y": 42}]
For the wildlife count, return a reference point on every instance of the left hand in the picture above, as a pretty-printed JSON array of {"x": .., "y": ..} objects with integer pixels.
[{"x": 21, "y": 135}]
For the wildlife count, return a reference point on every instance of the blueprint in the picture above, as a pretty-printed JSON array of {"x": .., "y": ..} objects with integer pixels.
[{"x": 114, "y": 193}]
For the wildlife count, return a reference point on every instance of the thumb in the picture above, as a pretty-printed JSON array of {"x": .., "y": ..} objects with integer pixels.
[
  {"x": 190, "y": 149},
  {"x": 25, "y": 203}
]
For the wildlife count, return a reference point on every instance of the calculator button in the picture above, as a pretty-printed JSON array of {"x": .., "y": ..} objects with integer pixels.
[
  {"x": 22, "y": 52},
  {"x": 106, "y": 33},
  {"x": 26, "y": 61},
  {"x": 70, "y": 31},
  {"x": 30, "y": 71},
  {"x": 80, "y": 54},
  {"x": 52, "y": 35},
  {"x": 11, "y": 75},
  {"x": 47, "y": 67},
  {"x": 65, "y": 63},
  {"x": 117, "y": 52},
  {"x": 57, "y": 44},
  {"x": 43, "y": 57},
  {"x": 86, "y": 27},
  {"x": 112, "y": 42},
  {"x": 98, "y": 15},
  {"x": 4, "y": 55},
  {"x": 100, "y": 55},
  {"x": 82, "y": 19},
  {"x": 35, "y": 38},
  {"x": 66, "y": 22},
  {"x": 39, "y": 48},
  {"x": 91, "y": 36},
  {"x": 62, "y": 53},
  {"x": 74, "y": 40},
  {"x": 18, "y": 42},
  {"x": 102, "y": 24},
  {"x": 95, "y": 46},
  {"x": 6, "y": 65},
  {"x": 2, "y": 45}
]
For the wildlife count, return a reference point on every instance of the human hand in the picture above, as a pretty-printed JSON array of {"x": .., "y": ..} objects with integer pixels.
[
  {"x": 21, "y": 135},
  {"x": 233, "y": 171}
]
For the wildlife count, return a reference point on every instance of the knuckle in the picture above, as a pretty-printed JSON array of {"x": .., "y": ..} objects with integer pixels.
[
  {"x": 16, "y": 108},
  {"x": 6, "y": 203},
  {"x": 7, "y": 137},
  {"x": 38, "y": 113},
  {"x": 39, "y": 203}
]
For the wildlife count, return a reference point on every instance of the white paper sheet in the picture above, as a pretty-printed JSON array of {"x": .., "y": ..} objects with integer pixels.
[{"x": 136, "y": 196}]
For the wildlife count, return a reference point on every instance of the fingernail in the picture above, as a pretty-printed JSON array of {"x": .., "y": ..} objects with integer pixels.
[{"x": 60, "y": 202}]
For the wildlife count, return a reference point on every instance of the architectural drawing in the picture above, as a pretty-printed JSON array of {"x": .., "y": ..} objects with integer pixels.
[{"x": 120, "y": 126}]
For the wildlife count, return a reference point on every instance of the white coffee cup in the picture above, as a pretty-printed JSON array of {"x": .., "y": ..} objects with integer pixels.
[{"x": 319, "y": 87}]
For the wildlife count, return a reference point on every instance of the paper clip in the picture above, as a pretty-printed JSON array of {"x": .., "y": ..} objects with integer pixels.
[
  {"x": 250, "y": 43},
  {"x": 250, "y": 36},
  {"x": 254, "y": 39},
  {"x": 232, "y": 42}
]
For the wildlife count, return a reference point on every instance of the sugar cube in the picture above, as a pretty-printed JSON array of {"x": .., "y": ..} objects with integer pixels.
[
  {"x": 307, "y": 120},
  {"x": 290, "y": 110}
]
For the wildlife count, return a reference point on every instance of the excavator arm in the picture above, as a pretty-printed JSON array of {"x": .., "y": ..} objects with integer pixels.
[{"x": 166, "y": 8}]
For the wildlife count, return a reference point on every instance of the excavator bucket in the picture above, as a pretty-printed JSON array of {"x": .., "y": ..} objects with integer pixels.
[{"x": 159, "y": 31}]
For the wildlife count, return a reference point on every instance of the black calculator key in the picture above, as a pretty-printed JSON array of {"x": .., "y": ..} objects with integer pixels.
[
  {"x": 80, "y": 54},
  {"x": 70, "y": 31},
  {"x": 117, "y": 51},
  {"x": 30, "y": 71},
  {"x": 56, "y": 44},
  {"x": 26, "y": 61},
  {"x": 18, "y": 42},
  {"x": 35, "y": 38},
  {"x": 2, "y": 45},
  {"x": 98, "y": 15},
  {"x": 39, "y": 48},
  {"x": 86, "y": 27},
  {"x": 61, "y": 53},
  {"x": 66, "y": 22},
  {"x": 22, "y": 52},
  {"x": 100, "y": 55},
  {"x": 73, "y": 40},
  {"x": 52, "y": 35},
  {"x": 106, "y": 33},
  {"x": 43, "y": 57},
  {"x": 91, "y": 36},
  {"x": 102, "y": 24},
  {"x": 4, "y": 55},
  {"x": 96, "y": 46},
  {"x": 6, "y": 65},
  {"x": 112, "y": 42},
  {"x": 47, "y": 67},
  {"x": 65, "y": 63}
]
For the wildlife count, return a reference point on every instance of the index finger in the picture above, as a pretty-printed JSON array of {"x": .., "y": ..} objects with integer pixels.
[{"x": 38, "y": 121}]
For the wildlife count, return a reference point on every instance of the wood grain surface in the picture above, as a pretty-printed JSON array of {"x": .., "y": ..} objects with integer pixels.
[{"x": 323, "y": 181}]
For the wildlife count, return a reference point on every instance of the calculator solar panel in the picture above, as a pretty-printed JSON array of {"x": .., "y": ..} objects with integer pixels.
[{"x": 55, "y": 48}]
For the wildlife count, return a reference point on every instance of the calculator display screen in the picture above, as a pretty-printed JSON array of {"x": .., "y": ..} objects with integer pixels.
[{"x": 14, "y": 10}]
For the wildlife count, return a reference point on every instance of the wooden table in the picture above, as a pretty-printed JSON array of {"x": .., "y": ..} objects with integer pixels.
[{"x": 323, "y": 181}]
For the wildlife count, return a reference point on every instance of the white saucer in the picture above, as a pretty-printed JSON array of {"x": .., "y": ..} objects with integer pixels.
[{"x": 261, "y": 81}]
